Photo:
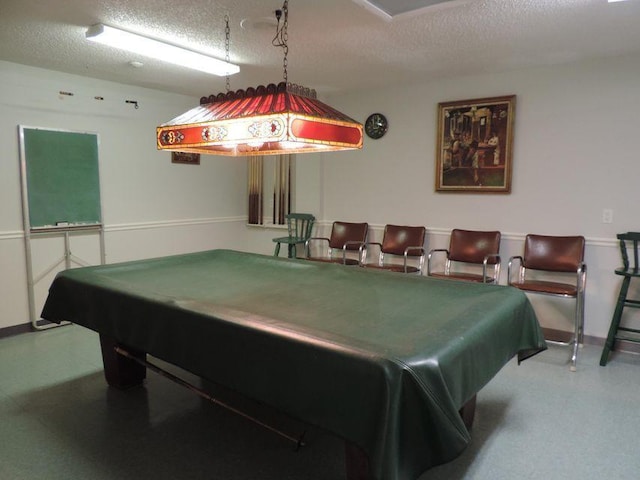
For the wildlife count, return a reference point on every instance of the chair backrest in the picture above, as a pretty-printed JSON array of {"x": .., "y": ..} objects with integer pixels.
[
  {"x": 397, "y": 238},
  {"x": 634, "y": 238},
  {"x": 472, "y": 246},
  {"x": 343, "y": 232},
  {"x": 554, "y": 254},
  {"x": 300, "y": 225}
]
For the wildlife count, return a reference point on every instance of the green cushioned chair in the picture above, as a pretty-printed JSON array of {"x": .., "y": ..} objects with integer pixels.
[{"x": 300, "y": 226}]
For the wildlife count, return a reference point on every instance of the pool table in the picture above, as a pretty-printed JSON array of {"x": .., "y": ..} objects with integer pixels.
[{"x": 384, "y": 360}]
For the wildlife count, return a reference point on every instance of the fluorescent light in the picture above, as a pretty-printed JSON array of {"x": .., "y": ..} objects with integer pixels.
[{"x": 162, "y": 51}]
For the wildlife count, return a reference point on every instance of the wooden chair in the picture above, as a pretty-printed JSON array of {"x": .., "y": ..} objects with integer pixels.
[
  {"x": 469, "y": 248},
  {"x": 544, "y": 258},
  {"x": 627, "y": 272},
  {"x": 398, "y": 241},
  {"x": 345, "y": 238},
  {"x": 299, "y": 226}
]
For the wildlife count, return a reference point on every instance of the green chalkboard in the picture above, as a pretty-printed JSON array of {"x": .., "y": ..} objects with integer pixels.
[{"x": 62, "y": 178}]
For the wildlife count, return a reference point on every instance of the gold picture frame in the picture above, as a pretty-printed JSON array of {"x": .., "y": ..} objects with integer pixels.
[{"x": 475, "y": 144}]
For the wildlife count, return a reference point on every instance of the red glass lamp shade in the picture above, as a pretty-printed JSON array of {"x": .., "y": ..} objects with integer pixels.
[{"x": 261, "y": 121}]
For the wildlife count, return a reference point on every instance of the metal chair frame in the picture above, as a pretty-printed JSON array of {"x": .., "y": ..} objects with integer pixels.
[
  {"x": 333, "y": 243},
  {"x": 406, "y": 252},
  {"x": 481, "y": 237},
  {"x": 557, "y": 289}
]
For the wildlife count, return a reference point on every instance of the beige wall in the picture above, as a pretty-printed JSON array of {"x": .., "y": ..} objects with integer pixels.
[
  {"x": 150, "y": 207},
  {"x": 574, "y": 155}
]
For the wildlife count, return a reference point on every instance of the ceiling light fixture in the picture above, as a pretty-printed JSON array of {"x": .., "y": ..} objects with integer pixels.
[
  {"x": 271, "y": 120},
  {"x": 148, "y": 47}
]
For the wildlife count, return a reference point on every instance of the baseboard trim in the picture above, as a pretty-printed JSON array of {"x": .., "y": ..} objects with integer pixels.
[
  {"x": 27, "y": 327},
  {"x": 15, "y": 330}
]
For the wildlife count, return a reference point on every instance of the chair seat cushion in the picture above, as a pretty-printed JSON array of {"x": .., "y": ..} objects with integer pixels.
[
  {"x": 348, "y": 261},
  {"x": 552, "y": 288},
  {"x": 392, "y": 268},
  {"x": 469, "y": 277}
]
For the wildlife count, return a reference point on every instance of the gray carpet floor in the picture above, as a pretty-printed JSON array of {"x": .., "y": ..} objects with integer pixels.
[{"x": 59, "y": 420}]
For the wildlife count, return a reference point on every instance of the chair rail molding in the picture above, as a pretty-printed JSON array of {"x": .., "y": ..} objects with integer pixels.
[{"x": 172, "y": 223}]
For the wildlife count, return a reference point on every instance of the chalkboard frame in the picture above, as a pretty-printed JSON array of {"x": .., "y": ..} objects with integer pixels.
[
  {"x": 60, "y": 179},
  {"x": 65, "y": 228}
]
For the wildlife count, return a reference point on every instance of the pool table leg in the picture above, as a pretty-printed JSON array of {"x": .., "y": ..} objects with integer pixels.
[
  {"x": 357, "y": 461},
  {"x": 121, "y": 372},
  {"x": 468, "y": 412}
]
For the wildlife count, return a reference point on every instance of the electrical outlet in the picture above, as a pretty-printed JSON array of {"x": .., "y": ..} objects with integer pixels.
[{"x": 607, "y": 215}]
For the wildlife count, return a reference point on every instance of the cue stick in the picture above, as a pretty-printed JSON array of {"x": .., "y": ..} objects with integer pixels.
[{"x": 298, "y": 441}]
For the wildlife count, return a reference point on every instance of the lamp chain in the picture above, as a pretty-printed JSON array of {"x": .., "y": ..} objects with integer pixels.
[
  {"x": 227, "y": 42},
  {"x": 285, "y": 38},
  {"x": 281, "y": 38}
]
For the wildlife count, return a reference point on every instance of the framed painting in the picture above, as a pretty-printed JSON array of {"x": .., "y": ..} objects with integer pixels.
[
  {"x": 474, "y": 145},
  {"x": 184, "y": 157}
]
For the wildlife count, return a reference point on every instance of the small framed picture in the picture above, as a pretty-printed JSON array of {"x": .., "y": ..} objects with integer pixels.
[
  {"x": 184, "y": 157},
  {"x": 474, "y": 145}
]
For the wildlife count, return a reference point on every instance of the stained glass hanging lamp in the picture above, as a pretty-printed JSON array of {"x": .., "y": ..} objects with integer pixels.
[{"x": 267, "y": 120}]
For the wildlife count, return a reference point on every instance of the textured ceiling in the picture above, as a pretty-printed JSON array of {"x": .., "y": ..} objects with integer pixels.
[
  {"x": 334, "y": 45},
  {"x": 390, "y": 9}
]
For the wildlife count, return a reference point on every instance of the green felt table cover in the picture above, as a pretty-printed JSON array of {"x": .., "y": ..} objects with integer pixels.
[{"x": 383, "y": 360}]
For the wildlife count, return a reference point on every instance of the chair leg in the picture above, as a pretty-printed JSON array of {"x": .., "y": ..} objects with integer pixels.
[
  {"x": 277, "y": 252},
  {"x": 291, "y": 250},
  {"x": 615, "y": 321},
  {"x": 574, "y": 345},
  {"x": 578, "y": 334}
]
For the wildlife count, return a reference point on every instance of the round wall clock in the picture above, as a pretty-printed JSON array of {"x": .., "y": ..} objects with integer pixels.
[{"x": 376, "y": 125}]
